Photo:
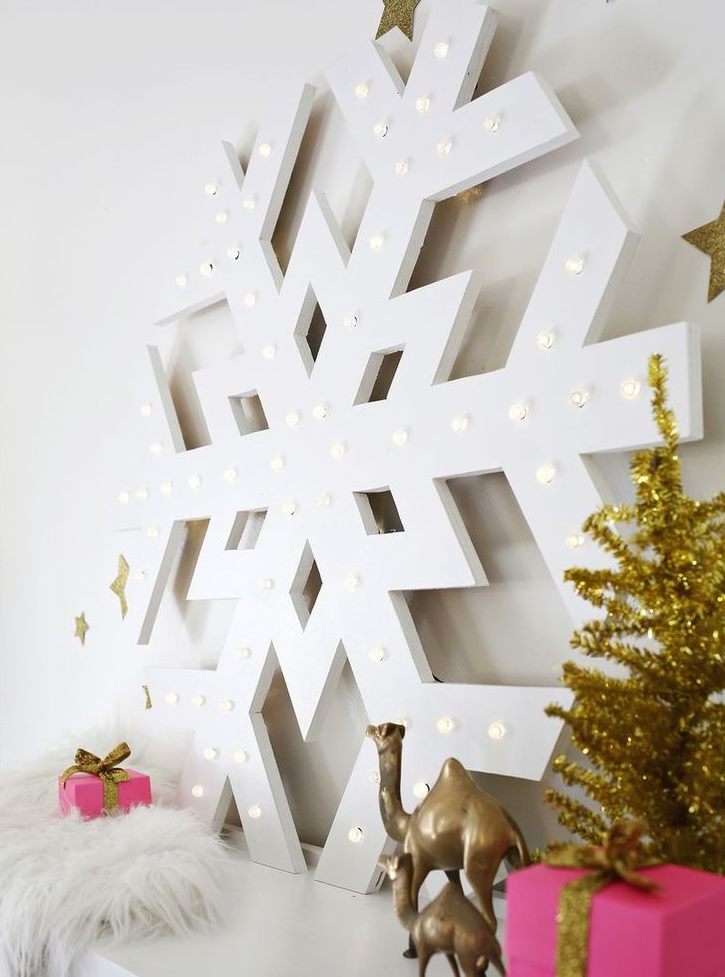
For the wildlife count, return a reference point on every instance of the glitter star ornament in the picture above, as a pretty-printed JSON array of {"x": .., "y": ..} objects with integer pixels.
[
  {"x": 398, "y": 13},
  {"x": 651, "y": 738},
  {"x": 710, "y": 239},
  {"x": 118, "y": 586},
  {"x": 82, "y": 627}
]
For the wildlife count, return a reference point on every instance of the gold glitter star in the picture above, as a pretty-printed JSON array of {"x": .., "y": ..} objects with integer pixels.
[
  {"x": 118, "y": 586},
  {"x": 398, "y": 13},
  {"x": 710, "y": 238},
  {"x": 82, "y": 627}
]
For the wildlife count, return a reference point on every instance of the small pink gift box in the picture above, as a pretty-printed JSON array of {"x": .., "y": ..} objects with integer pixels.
[
  {"x": 85, "y": 791},
  {"x": 675, "y": 931}
]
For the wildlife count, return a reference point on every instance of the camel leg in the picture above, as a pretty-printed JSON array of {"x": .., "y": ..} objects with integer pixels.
[
  {"x": 481, "y": 872},
  {"x": 468, "y": 963},
  {"x": 423, "y": 958},
  {"x": 420, "y": 873},
  {"x": 451, "y": 958}
]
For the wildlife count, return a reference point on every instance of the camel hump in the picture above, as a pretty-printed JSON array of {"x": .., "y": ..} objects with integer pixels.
[{"x": 453, "y": 768}]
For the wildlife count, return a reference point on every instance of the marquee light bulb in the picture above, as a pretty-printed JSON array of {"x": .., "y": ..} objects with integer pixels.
[
  {"x": 156, "y": 447},
  {"x": 198, "y": 700},
  {"x": 361, "y": 90},
  {"x": 381, "y": 130},
  {"x": 146, "y": 410},
  {"x": 545, "y": 340},
  {"x": 152, "y": 532},
  {"x": 181, "y": 280},
  {"x": 250, "y": 299},
  {"x": 356, "y": 835},
  {"x": 265, "y": 150},
  {"x": 376, "y": 242},
  {"x": 574, "y": 541},
  {"x": 277, "y": 463},
  {"x": 255, "y": 811},
  {"x": 421, "y": 789},
  {"x": 575, "y": 266},
  {"x": 194, "y": 481},
  {"x": 124, "y": 497},
  {"x": 230, "y": 474},
  {"x": 166, "y": 488},
  {"x": 350, "y": 321},
  {"x": 459, "y": 424},
  {"x": 268, "y": 352},
  {"x": 289, "y": 508},
  {"x": 374, "y": 777},
  {"x": 243, "y": 652},
  {"x": 226, "y": 705},
  {"x": 172, "y": 698},
  {"x": 139, "y": 574},
  {"x": 266, "y": 583},
  {"x": 210, "y": 753},
  {"x": 518, "y": 412},
  {"x": 444, "y": 147},
  {"x": 351, "y": 581},
  {"x": 546, "y": 474},
  {"x": 630, "y": 389},
  {"x": 240, "y": 756},
  {"x": 440, "y": 49},
  {"x": 337, "y": 450},
  {"x": 249, "y": 203},
  {"x": 197, "y": 790},
  {"x": 400, "y": 437},
  {"x": 492, "y": 125},
  {"x": 496, "y": 731},
  {"x": 211, "y": 189},
  {"x": 206, "y": 268},
  {"x": 422, "y": 104},
  {"x": 320, "y": 411},
  {"x": 578, "y": 398},
  {"x": 323, "y": 501},
  {"x": 377, "y": 654},
  {"x": 402, "y": 167},
  {"x": 222, "y": 217},
  {"x": 292, "y": 419},
  {"x": 445, "y": 725},
  {"x": 233, "y": 254},
  {"x": 142, "y": 493}
]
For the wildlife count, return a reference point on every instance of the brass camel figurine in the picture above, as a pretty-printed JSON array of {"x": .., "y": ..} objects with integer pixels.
[
  {"x": 456, "y": 826},
  {"x": 450, "y": 924}
]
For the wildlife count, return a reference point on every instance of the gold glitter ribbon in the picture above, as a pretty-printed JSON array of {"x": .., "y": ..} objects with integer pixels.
[
  {"x": 617, "y": 861},
  {"x": 105, "y": 768}
]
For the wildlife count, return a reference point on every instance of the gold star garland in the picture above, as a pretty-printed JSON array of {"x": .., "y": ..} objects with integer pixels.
[
  {"x": 710, "y": 239},
  {"x": 149, "y": 703},
  {"x": 82, "y": 627},
  {"x": 118, "y": 586},
  {"x": 398, "y": 13},
  {"x": 652, "y": 738}
]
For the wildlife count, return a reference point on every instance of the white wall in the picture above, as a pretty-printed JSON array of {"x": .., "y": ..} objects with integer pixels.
[{"x": 107, "y": 112}]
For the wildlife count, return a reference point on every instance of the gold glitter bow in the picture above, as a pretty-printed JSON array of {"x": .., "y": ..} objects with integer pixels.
[
  {"x": 617, "y": 861},
  {"x": 105, "y": 768}
]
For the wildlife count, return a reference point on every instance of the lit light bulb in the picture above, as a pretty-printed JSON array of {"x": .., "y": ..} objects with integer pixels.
[
  {"x": 268, "y": 352},
  {"x": 356, "y": 835},
  {"x": 230, "y": 474},
  {"x": 194, "y": 481},
  {"x": 265, "y": 150},
  {"x": 445, "y": 725},
  {"x": 233, "y": 253},
  {"x": 255, "y": 811},
  {"x": 323, "y": 501},
  {"x": 124, "y": 497},
  {"x": 166, "y": 488},
  {"x": 350, "y": 321},
  {"x": 146, "y": 410},
  {"x": 197, "y": 699},
  {"x": 400, "y": 437},
  {"x": 361, "y": 90},
  {"x": 243, "y": 652},
  {"x": 211, "y": 189},
  {"x": 444, "y": 147},
  {"x": 266, "y": 583},
  {"x": 172, "y": 698},
  {"x": 545, "y": 340},
  {"x": 351, "y": 581},
  {"x": 337, "y": 450},
  {"x": 156, "y": 447},
  {"x": 292, "y": 419},
  {"x": 496, "y": 731},
  {"x": 142, "y": 493},
  {"x": 459, "y": 424},
  {"x": 377, "y": 654},
  {"x": 402, "y": 167},
  {"x": 575, "y": 266},
  {"x": 206, "y": 268},
  {"x": 440, "y": 49},
  {"x": 374, "y": 777},
  {"x": 574, "y": 541},
  {"x": 240, "y": 756},
  {"x": 578, "y": 398},
  {"x": 381, "y": 130},
  {"x": 250, "y": 299},
  {"x": 152, "y": 532},
  {"x": 277, "y": 463},
  {"x": 249, "y": 203},
  {"x": 210, "y": 753},
  {"x": 226, "y": 705},
  {"x": 197, "y": 790},
  {"x": 222, "y": 217},
  {"x": 181, "y": 280},
  {"x": 546, "y": 474},
  {"x": 422, "y": 104},
  {"x": 630, "y": 389},
  {"x": 376, "y": 242},
  {"x": 421, "y": 789},
  {"x": 518, "y": 412},
  {"x": 139, "y": 574},
  {"x": 289, "y": 508},
  {"x": 319, "y": 412},
  {"x": 492, "y": 125}
]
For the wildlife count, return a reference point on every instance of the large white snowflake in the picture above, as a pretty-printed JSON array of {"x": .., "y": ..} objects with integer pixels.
[{"x": 303, "y": 489}]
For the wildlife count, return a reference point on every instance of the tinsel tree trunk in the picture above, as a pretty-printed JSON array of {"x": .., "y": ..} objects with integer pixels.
[{"x": 651, "y": 733}]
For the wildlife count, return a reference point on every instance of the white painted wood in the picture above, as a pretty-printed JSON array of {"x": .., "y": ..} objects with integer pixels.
[{"x": 323, "y": 445}]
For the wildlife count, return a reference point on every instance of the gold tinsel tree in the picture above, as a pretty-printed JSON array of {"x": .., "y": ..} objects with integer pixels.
[{"x": 652, "y": 731}]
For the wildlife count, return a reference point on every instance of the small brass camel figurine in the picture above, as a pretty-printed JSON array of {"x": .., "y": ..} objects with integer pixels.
[
  {"x": 456, "y": 826},
  {"x": 450, "y": 924}
]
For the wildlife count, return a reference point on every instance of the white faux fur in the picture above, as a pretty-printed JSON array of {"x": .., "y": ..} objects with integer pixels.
[{"x": 66, "y": 883}]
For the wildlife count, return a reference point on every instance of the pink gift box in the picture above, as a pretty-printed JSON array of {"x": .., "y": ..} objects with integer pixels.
[
  {"x": 85, "y": 791},
  {"x": 676, "y": 931}
]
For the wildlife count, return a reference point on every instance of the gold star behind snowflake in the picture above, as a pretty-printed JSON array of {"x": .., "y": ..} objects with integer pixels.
[
  {"x": 398, "y": 13},
  {"x": 118, "y": 586},
  {"x": 82, "y": 627},
  {"x": 710, "y": 238}
]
